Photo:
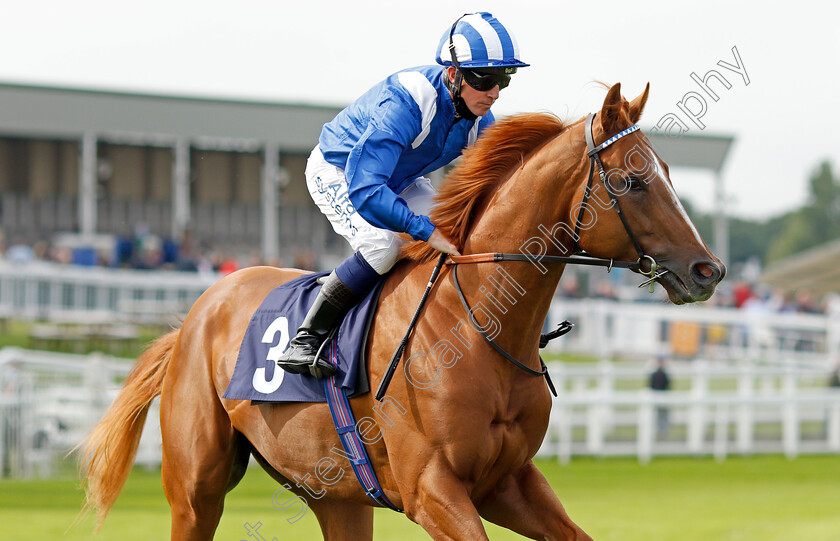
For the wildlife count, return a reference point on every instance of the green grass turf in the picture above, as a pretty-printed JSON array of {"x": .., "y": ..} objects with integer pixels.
[{"x": 763, "y": 498}]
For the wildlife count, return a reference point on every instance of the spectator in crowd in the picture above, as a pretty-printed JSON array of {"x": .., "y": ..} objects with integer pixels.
[
  {"x": 227, "y": 265},
  {"x": 304, "y": 259},
  {"x": 742, "y": 293},
  {"x": 20, "y": 252},
  {"x": 570, "y": 286},
  {"x": 805, "y": 303},
  {"x": 605, "y": 290},
  {"x": 661, "y": 382}
]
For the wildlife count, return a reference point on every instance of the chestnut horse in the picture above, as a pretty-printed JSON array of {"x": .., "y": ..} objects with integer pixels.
[{"x": 460, "y": 424}]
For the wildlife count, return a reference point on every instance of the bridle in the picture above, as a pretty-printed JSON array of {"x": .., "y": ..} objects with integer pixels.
[
  {"x": 578, "y": 257},
  {"x": 594, "y": 158}
]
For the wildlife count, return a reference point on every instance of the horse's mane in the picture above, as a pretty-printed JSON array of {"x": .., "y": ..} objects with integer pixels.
[{"x": 482, "y": 168}]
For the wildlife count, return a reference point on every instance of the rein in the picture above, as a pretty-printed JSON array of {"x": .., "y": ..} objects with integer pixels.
[{"x": 577, "y": 258}]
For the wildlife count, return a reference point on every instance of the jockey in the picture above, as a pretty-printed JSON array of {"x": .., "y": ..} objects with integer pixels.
[{"x": 367, "y": 172}]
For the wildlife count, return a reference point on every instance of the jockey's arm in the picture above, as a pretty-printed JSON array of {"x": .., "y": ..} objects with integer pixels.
[{"x": 369, "y": 167}]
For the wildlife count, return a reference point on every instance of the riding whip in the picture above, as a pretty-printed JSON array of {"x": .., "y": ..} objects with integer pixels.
[{"x": 395, "y": 360}]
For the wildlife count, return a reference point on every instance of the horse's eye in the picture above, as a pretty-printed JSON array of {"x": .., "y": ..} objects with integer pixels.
[
  {"x": 634, "y": 184},
  {"x": 621, "y": 184}
]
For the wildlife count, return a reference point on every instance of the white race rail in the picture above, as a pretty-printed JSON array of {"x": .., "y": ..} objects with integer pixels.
[
  {"x": 44, "y": 290},
  {"x": 50, "y": 401},
  {"x": 607, "y": 329},
  {"x": 713, "y": 409}
]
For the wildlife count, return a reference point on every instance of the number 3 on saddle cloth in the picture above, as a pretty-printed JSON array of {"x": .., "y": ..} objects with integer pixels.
[{"x": 256, "y": 376}]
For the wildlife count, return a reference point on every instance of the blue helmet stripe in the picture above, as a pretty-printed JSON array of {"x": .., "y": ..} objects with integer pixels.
[
  {"x": 507, "y": 43},
  {"x": 478, "y": 49}
]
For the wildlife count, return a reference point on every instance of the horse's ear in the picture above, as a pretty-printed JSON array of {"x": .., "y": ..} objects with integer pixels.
[
  {"x": 611, "y": 121},
  {"x": 638, "y": 105}
]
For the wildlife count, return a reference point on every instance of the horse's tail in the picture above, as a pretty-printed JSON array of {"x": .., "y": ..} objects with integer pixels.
[{"x": 109, "y": 451}]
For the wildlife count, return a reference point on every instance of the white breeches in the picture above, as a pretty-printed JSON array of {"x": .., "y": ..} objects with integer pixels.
[{"x": 379, "y": 247}]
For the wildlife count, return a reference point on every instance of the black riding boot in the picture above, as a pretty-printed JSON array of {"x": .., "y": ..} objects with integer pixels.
[{"x": 332, "y": 302}]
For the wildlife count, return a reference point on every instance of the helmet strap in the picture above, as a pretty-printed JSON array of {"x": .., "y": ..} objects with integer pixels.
[
  {"x": 454, "y": 85},
  {"x": 461, "y": 109}
]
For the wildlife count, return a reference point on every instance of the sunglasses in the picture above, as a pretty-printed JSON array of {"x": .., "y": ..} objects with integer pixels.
[{"x": 485, "y": 81}]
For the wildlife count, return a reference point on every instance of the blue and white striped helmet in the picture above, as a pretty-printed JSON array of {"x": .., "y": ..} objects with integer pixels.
[{"x": 481, "y": 41}]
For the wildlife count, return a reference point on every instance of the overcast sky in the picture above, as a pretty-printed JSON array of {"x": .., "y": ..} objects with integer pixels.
[{"x": 328, "y": 51}]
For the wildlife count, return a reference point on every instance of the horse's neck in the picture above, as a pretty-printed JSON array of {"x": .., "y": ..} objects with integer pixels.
[
  {"x": 537, "y": 197},
  {"x": 535, "y": 201}
]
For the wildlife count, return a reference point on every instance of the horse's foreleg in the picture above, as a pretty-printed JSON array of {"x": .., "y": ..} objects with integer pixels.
[
  {"x": 441, "y": 504},
  {"x": 344, "y": 520},
  {"x": 525, "y": 503}
]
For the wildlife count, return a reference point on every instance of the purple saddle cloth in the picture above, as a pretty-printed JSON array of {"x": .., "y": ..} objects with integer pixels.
[{"x": 256, "y": 375}]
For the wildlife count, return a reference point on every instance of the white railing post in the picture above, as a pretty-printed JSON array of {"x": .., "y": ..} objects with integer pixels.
[
  {"x": 790, "y": 414},
  {"x": 833, "y": 420},
  {"x": 599, "y": 414},
  {"x": 564, "y": 429},
  {"x": 753, "y": 342},
  {"x": 746, "y": 416},
  {"x": 645, "y": 431},
  {"x": 602, "y": 343},
  {"x": 606, "y": 390},
  {"x": 594, "y": 430},
  {"x": 561, "y": 413},
  {"x": 832, "y": 338},
  {"x": 697, "y": 412},
  {"x": 721, "y": 430}
]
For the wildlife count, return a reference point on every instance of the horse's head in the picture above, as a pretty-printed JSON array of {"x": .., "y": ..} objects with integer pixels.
[{"x": 637, "y": 181}]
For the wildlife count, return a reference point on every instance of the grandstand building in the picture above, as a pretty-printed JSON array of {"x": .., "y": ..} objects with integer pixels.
[
  {"x": 99, "y": 165},
  {"x": 215, "y": 174}
]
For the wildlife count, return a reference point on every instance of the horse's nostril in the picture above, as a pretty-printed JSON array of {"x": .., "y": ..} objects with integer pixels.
[{"x": 705, "y": 273}]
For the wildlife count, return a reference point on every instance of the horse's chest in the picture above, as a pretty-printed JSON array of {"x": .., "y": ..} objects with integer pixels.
[
  {"x": 512, "y": 437},
  {"x": 507, "y": 439}
]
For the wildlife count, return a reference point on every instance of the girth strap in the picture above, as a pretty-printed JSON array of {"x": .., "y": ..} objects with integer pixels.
[{"x": 354, "y": 447}]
